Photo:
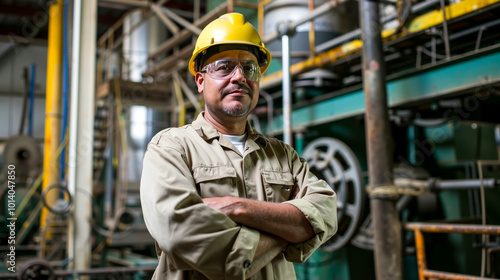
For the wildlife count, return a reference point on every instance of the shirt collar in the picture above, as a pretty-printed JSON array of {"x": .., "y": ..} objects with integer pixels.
[{"x": 206, "y": 131}]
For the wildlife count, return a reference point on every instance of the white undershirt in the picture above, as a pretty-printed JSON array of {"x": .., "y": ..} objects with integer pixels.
[{"x": 238, "y": 141}]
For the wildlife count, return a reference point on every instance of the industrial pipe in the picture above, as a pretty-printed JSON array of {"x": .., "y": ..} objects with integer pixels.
[
  {"x": 32, "y": 99},
  {"x": 25, "y": 100},
  {"x": 270, "y": 107},
  {"x": 386, "y": 224},
  {"x": 497, "y": 139},
  {"x": 312, "y": 35},
  {"x": 81, "y": 137},
  {"x": 287, "y": 88},
  {"x": 53, "y": 105},
  {"x": 285, "y": 30},
  {"x": 65, "y": 73},
  {"x": 446, "y": 38},
  {"x": 436, "y": 184},
  {"x": 180, "y": 101}
]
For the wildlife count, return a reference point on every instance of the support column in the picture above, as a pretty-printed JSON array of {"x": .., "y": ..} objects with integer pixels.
[
  {"x": 81, "y": 136},
  {"x": 386, "y": 224}
]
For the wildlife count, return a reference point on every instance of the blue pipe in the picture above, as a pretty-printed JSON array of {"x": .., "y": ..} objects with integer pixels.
[
  {"x": 32, "y": 99},
  {"x": 64, "y": 88}
]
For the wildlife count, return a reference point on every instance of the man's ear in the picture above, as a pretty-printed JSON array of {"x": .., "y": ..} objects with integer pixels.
[{"x": 200, "y": 79}]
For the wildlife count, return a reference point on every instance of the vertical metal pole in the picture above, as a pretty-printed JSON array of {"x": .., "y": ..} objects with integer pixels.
[
  {"x": 446, "y": 38},
  {"x": 421, "y": 260},
  {"x": 299, "y": 142},
  {"x": 25, "y": 100},
  {"x": 312, "y": 35},
  {"x": 52, "y": 110},
  {"x": 497, "y": 139},
  {"x": 196, "y": 10},
  {"x": 386, "y": 224},
  {"x": 108, "y": 199},
  {"x": 32, "y": 99},
  {"x": 287, "y": 88},
  {"x": 80, "y": 181}
]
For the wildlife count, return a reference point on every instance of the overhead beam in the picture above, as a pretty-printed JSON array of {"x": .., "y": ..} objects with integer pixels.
[
  {"x": 186, "y": 34},
  {"x": 129, "y": 3},
  {"x": 170, "y": 61},
  {"x": 181, "y": 37},
  {"x": 119, "y": 23},
  {"x": 168, "y": 23},
  {"x": 189, "y": 26}
]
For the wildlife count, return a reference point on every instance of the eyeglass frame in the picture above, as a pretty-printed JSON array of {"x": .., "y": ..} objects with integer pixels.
[{"x": 205, "y": 69}]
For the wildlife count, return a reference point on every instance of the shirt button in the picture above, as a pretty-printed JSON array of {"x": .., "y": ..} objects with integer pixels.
[{"x": 247, "y": 264}]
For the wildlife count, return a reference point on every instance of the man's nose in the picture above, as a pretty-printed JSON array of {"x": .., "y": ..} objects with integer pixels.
[{"x": 238, "y": 73}]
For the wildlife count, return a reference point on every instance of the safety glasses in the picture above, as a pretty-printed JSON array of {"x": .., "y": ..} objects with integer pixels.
[{"x": 225, "y": 68}]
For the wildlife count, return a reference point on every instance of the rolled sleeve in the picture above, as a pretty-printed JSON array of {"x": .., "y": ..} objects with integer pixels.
[
  {"x": 318, "y": 202},
  {"x": 322, "y": 228}
]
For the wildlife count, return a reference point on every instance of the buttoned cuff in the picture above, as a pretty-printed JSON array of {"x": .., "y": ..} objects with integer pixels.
[{"x": 240, "y": 258}]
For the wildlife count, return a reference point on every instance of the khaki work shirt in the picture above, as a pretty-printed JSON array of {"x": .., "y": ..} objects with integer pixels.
[{"x": 183, "y": 165}]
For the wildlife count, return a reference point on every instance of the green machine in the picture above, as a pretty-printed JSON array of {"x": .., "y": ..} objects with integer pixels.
[{"x": 445, "y": 134}]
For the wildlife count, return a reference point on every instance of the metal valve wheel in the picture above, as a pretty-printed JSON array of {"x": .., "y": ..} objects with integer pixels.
[
  {"x": 333, "y": 161},
  {"x": 36, "y": 270}
]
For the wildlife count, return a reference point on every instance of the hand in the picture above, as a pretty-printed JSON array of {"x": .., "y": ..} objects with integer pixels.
[{"x": 227, "y": 204}]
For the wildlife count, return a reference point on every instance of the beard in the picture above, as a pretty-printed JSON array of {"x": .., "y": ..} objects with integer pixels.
[{"x": 238, "y": 110}]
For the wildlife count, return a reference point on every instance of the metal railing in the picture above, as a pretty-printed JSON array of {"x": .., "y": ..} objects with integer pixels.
[{"x": 420, "y": 228}]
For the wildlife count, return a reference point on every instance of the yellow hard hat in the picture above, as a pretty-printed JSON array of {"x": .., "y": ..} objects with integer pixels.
[{"x": 228, "y": 32}]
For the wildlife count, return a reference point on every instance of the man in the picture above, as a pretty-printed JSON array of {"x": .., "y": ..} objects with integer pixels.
[{"x": 222, "y": 200}]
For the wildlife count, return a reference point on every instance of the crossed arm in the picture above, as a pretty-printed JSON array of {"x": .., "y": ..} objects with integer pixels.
[
  {"x": 279, "y": 224},
  {"x": 280, "y": 219}
]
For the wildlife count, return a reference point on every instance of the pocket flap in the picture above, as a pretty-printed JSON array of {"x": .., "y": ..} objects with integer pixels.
[
  {"x": 209, "y": 173},
  {"x": 277, "y": 178}
]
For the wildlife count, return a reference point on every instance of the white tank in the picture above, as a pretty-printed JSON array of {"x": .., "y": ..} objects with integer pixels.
[{"x": 340, "y": 20}]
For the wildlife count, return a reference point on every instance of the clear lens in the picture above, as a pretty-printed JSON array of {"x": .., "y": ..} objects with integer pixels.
[{"x": 223, "y": 69}]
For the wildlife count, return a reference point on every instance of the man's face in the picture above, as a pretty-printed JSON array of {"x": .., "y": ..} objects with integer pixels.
[{"x": 234, "y": 96}]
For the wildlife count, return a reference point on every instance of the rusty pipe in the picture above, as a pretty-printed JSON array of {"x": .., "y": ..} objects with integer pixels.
[
  {"x": 385, "y": 217},
  {"x": 453, "y": 228}
]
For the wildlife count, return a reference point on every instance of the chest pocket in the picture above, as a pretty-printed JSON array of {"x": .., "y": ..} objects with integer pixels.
[
  {"x": 278, "y": 185},
  {"x": 215, "y": 181}
]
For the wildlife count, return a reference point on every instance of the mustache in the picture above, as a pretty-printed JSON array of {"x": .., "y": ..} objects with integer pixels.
[{"x": 234, "y": 87}]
